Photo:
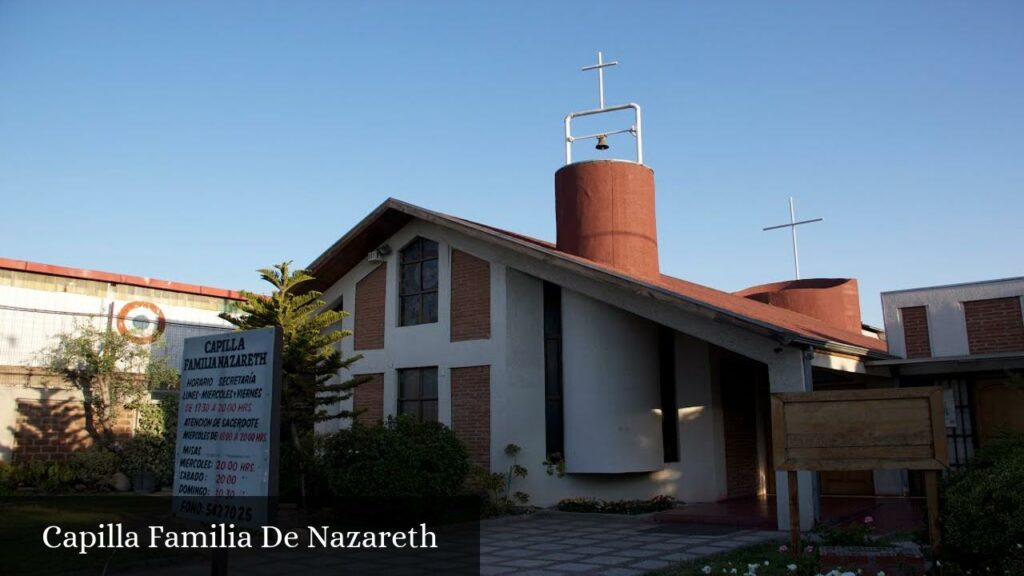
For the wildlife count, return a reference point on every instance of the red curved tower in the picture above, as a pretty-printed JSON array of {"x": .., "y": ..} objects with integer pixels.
[{"x": 605, "y": 213}]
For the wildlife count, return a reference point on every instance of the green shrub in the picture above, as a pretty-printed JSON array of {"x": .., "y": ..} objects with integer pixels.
[
  {"x": 401, "y": 458},
  {"x": 853, "y": 534},
  {"x": 655, "y": 504},
  {"x": 159, "y": 418},
  {"x": 983, "y": 509},
  {"x": 579, "y": 505},
  {"x": 151, "y": 454},
  {"x": 93, "y": 467}
]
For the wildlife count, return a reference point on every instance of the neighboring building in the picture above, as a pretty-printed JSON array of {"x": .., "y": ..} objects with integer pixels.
[
  {"x": 41, "y": 416},
  {"x": 969, "y": 339},
  {"x": 646, "y": 384}
]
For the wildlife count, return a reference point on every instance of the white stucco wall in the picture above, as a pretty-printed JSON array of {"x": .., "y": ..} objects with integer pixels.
[
  {"x": 611, "y": 388},
  {"x": 947, "y": 328},
  {"x": 516, "y": 356},
  {"x": 701, "y": 436},
  {"x": 519, "y": 417}
]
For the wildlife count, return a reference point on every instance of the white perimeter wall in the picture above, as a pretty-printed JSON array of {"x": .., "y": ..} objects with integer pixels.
[{"x": 37, "y": 308}]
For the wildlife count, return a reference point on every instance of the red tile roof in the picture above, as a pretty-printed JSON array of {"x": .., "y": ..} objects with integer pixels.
[
  {"x": 381, "y": 223},
  {"x": 114, "y": 278},
  {"x": 781, "y": 317}
]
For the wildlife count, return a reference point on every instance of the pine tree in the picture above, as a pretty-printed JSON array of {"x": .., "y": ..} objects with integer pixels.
[{"x": 311, "y": 359}]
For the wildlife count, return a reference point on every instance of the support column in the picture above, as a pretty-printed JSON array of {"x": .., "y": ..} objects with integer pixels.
[{"x": 790, "y": 371}]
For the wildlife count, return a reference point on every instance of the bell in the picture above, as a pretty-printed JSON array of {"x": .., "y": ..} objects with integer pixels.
[{"x": 602, "y": 142}]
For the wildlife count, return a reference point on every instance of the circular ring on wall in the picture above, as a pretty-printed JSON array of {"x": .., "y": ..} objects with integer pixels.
[{"x": 139, "y": 332}]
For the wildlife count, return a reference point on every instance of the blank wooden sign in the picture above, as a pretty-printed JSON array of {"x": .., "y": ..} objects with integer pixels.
[{"x": 890, "y": 428}]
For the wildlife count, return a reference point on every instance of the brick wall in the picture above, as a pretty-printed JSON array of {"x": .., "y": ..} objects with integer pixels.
[
  {"x": 471, "y": 297},
  {"x": 739, "y": 419},
  {"x": 915, "y": 332},
  {"x": 369, "y": 397},
  {"x": 994, "y": 325},
  {"x": 471, "y": 411},
  {"x": 740, "y": 425},
  {"x": 371, "y": 294},
  {"x": 52, "y": 429}
]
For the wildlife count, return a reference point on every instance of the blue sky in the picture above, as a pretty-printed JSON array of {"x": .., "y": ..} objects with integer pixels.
[{"x": 197, "y": 141}]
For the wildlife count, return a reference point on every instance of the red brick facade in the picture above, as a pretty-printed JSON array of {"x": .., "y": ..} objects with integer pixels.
[
  {"x": 371, "y": 294},
  {"x": 471, "y": 411},
  {"x": 369, "y": 398},
  {"x": 53, "y": 429},
  {"x": 994, "y": 325},
  {"x": 915, "y": 332},
  {"x": 740, "y": 427},
  {"x": 471, "y": 297}
]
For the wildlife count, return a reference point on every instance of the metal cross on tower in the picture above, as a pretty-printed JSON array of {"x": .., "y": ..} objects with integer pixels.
[
  {"x": 792, "y": 226},
  {"x": 600, "y": 66}
]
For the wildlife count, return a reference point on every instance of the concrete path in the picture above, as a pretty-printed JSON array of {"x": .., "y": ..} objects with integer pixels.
[
  {"x": 562, "y": 543},
  {"x": 544, "y": 543}
]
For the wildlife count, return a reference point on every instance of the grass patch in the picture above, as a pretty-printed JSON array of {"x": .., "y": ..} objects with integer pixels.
[{"x": 739, "y": 561}]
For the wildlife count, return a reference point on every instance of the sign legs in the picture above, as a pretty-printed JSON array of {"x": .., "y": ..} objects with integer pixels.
[
  {"x": 931, "y": 488},
  {"x": 794, "y": 512},
  {"x": 219, "y": 562}
]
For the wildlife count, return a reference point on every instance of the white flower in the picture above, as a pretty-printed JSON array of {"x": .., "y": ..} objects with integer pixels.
[
  {"x": 765, "y": 562},
  {"x": 706, "y": 569},
  {"x": 752, "y": 568},
  {"x": 881, "y": 573},
  {"x": 791, "y": 567}
]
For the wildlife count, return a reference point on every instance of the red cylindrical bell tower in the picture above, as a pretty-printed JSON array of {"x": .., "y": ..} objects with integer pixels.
[{"x": 605, "y": 213}]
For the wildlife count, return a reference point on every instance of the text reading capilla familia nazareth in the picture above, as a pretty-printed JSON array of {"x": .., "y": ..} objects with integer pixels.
[{"x": 236, "y": 359}]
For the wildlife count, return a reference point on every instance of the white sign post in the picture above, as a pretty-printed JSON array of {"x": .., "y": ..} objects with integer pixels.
[{"x": 225, "y": 467}]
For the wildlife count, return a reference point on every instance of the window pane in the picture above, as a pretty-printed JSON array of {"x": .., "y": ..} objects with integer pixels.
[
  {"x": 430, "y": 307},
  {"x": 412, "y": 408},
  {"x": 412, "y": 251},
  {"x": 410, "y": 278},
  {"x": 429, "y": 248},
  {"x": 429, "y": 380},
  {"x": 429, "y": 275},
  {"x": 410, "y": 310},
  {"x": 409, "y": 384},
  {"x": 429, "y": 411}
]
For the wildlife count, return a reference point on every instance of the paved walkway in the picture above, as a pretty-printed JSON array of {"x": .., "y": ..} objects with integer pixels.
[
  {"x": 562, "y": 543},
  {"x": 543, "y": 543}
]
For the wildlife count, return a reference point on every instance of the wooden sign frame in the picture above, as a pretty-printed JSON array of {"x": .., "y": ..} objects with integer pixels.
[{"x": 874, "y": 429}]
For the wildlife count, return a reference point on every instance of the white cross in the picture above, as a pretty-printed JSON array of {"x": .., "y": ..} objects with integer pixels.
[
  {"x": 600, "y": 66},
  {"x": 792, "y": 226}
]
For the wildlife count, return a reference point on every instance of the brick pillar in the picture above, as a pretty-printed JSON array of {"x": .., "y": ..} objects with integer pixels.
[
  {"x": 369, "y": 397},
  {"x": 471, "y": 297},
  {"x": 994, "y": 325},
  {"x": 471, "y": 411},
  {"x": 371, "y": 294}
]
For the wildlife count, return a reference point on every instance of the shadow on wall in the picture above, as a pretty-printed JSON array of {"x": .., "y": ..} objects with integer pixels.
[{"x": 49, "y": 429}]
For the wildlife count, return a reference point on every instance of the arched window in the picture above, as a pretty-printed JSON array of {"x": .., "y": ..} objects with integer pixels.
[{"x": 418, "y": 278}]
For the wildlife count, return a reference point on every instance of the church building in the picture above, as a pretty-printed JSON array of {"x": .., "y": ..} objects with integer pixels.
[{"x": 582, "y": 349}]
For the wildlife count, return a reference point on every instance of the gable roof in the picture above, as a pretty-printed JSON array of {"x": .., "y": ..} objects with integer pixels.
[{"x": 787, "y": 325}]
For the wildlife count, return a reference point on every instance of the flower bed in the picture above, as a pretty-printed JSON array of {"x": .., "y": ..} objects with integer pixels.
[{"x": 656, "y": 504}]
